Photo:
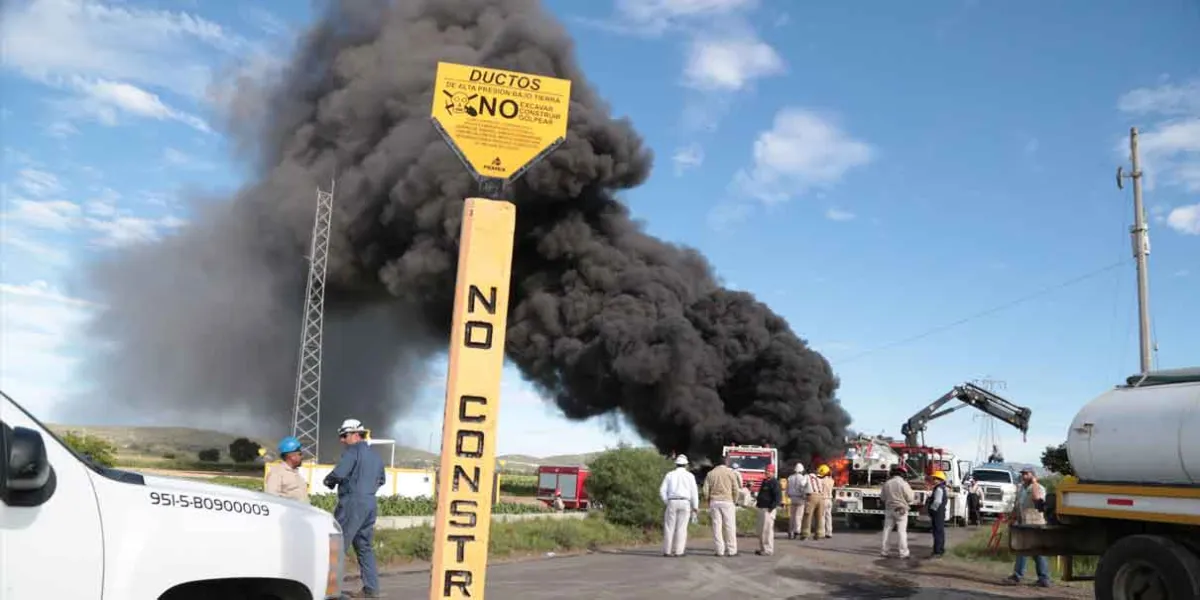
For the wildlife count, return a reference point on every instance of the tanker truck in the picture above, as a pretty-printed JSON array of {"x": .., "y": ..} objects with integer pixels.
[{"x": 1134, "y": 501}]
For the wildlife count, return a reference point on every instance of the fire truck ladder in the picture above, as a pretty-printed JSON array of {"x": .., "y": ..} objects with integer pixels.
[{"x": 970, "y": 395}]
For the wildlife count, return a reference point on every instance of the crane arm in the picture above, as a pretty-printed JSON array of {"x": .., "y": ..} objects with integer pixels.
[{"x": 970, "y": 395}]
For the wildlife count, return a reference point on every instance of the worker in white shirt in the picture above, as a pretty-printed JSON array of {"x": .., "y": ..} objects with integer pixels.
[
  {"x": 797, "y": 491},
  {"x": 679, "y": 492}
]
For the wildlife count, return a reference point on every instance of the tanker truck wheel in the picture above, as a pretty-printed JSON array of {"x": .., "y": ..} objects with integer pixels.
[{"x": 1148, "y": 567}]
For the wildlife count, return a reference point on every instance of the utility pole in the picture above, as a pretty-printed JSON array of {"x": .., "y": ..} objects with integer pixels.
[{"x": 1140, "y": 234}]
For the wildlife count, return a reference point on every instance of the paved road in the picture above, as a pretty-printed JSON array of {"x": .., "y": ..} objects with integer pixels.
[{"x": 847, "y": 566}]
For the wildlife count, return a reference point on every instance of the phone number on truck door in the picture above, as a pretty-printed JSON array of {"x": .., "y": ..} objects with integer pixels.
[{"x": 239, "y": 507}]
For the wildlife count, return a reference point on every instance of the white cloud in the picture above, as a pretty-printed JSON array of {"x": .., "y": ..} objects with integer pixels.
[
  {"x": 55, "y": 215},
  {"x": 835, "y": 214},
  {"x": 119, "y": 231},
  {"x": 803, "y": 150},
  {"x": 727, "y": 214},
  {"x": 98, "y": 219},
  {"x": 658, "y": 16},
  {"x": 39, "y": 325},
  {"x": 179, "y": 158},
  {"x": 729, "y": 62},
  {"x": 61, "y": 38},
  {"x": 103, "y": 100},
  {"x": 38, "y": 183},
  {"x": 104, "y": 204},
  {"x": 1170, "y": 146},
  {"x": 61, "y": 129},
  {"x": 688, "y": 157},
  {"x": 1185, "y": 219},
  {"x": 1167, "y": 99}
]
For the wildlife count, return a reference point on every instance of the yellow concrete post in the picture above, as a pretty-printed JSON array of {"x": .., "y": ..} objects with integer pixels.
[{"x": 468, "y": 465}]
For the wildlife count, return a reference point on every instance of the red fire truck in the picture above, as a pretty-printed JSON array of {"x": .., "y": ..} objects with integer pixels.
[
  {"x": 752, "y": 462},
  {"x": 568, "y": 480}
]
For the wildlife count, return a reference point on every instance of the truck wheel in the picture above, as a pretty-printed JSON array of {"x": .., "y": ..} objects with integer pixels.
[{"x": 1148, "y": 567}]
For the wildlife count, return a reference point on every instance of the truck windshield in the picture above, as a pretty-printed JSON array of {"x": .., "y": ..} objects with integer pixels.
[
  {"x": 992, "y": 476},
  {"x": 749, "y": 463}
]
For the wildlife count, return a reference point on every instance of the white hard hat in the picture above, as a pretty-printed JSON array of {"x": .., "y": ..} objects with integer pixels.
[
  {"x": 681, "y": 460},
  {"x": 799, "y": 468},
  {"x": 351, "y": 426}
]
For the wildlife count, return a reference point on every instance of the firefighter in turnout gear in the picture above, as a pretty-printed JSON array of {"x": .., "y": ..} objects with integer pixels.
[
  {"x": 826, "y": 499},
  {"x": 797, "y": 491}
]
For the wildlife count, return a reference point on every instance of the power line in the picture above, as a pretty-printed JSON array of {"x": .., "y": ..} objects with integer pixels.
[{"x": 990, "y": 311}]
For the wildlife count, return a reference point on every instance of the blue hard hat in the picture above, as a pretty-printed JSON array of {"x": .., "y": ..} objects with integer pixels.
[{"x": 289, "y": 444}]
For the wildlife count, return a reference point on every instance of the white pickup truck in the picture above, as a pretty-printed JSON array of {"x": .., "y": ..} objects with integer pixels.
[
  {"x": 72, "y": 529},
  {"x": 998, "y": 484}
]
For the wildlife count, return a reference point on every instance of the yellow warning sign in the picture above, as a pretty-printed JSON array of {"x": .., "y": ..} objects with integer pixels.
[{"x": 500, "y": 121}]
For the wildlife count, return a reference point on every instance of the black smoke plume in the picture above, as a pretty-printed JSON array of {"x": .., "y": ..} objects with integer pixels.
[{"x": 603, "y": 316}]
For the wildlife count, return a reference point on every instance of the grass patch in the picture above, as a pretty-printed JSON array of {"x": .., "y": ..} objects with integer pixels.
[
  {"x": 975, "y": 549},
  {"x": 140, "y": 462},
  {"x": 518, "y": 485},
  {"x": 523, "y": 538},
  {"x": 246, "y": 483},
  {"x": 398, "y": 506}
]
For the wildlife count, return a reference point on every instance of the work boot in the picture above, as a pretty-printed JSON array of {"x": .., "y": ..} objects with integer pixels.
[{"x": 364, "y": 593}]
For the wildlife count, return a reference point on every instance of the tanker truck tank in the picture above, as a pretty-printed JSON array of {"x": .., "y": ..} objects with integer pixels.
[{"x": 1143, "y": 434}]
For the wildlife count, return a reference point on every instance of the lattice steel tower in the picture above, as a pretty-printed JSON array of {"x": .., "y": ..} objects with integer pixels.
[{"x": 306, "y": 416}]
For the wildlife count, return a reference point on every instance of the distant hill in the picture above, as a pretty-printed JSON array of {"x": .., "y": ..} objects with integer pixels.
[
  {"x": 155, "y": 441},
  {"x": 186, "y": 442}
]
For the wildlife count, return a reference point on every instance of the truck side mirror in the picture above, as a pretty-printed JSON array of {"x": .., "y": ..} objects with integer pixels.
[{"x": 27, "y": 477}]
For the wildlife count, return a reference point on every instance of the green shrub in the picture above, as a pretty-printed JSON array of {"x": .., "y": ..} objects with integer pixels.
[
  {"x": 625, "y": 482},
  {"x": 1056, "y": 460},
  {"x": 209, "y": 455},
  {"x": 243, "y": 450},
  {"x": 94, "y": 448}
]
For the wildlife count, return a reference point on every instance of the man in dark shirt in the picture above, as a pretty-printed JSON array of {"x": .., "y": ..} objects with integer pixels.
[{"x": 770, "y": 496}]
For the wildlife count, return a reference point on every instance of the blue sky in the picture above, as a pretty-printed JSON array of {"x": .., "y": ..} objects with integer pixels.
[{"x": 874, "y": 172}]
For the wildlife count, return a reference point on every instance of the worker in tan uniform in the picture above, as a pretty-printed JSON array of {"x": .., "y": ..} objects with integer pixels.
[
  {"x": 284, "y": 479},
  {"x": 813, "y": 524},
  {"x": 721, "y": 487},
  {"x": 897, "y": 498},
  {"x": 826, "y": 479}
]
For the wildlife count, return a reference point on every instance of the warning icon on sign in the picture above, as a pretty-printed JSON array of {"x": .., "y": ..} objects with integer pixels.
[{"x": 496, "y": 162}]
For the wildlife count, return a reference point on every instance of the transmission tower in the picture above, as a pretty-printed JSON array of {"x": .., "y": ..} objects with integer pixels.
[
  {"x": 988, "y": 440},
  {"x": 306, "y": 416}
]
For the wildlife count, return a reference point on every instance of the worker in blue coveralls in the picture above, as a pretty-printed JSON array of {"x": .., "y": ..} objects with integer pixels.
[{"x": 357, "y": 476}]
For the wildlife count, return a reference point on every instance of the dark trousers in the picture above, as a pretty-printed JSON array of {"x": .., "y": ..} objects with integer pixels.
[
  {"x": 973, "y": 502},
  {"x": 938, "y": 519}
]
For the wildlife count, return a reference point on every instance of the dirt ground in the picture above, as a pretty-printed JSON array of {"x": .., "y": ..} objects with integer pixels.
[{"x": 845, "y": 566}]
